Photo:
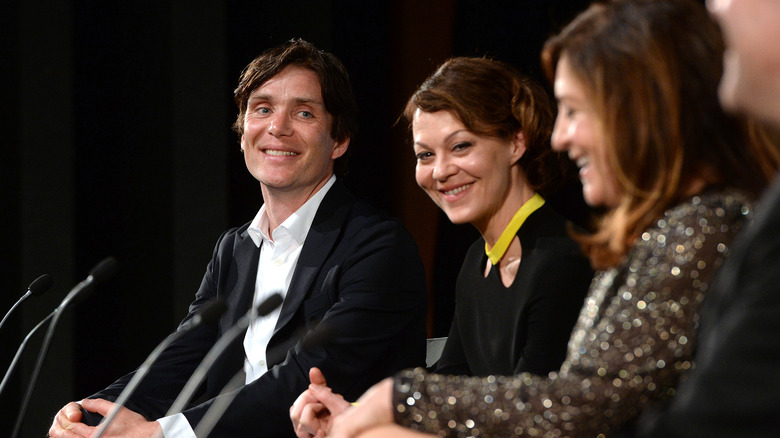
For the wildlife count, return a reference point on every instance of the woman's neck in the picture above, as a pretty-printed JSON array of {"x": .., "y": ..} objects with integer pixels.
[{"x": 494, "y": 226}]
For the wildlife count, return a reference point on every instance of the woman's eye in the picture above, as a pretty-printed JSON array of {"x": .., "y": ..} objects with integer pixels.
[
  {"x": 423, "y": 155},
  {"x": 462, "y": 145}
]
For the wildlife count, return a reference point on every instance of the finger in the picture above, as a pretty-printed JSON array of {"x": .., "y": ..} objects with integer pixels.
[
  {"x": 301, "y": 432},
  {"x": 305, "y": 398},
  {"x": 310, "y": 418},
  {"x": 58, "y": 432},
  {"x": 316, "y": 377},
  {"x": 62, "y": 421},
  {"x": 335, "y": 403},
  {"x": 98, "y": 405},
  {"x": 72, "y": 412},
  {"x": 81, "y": 430},
  {"x": 68, "y": 429}
]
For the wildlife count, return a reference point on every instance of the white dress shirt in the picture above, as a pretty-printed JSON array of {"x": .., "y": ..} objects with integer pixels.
[{"x": 278, "y": 257}]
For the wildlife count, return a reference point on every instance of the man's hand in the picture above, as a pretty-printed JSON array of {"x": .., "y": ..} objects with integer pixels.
[
  {"x": 67, "y": 423},
  {"x": 374, "y": 408},
  {"x": 66, "y": 419},
  {"x": 314, "y": 409}
]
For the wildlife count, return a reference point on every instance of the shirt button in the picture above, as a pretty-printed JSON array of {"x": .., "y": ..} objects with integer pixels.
[
  {"x": 262, "y": 363},
  {"x": 278, "y": 262}
]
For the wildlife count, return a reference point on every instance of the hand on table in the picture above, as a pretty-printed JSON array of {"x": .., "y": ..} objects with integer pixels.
[
  {"x": 128, "y": 424},
  {"x": 374, "y": 408},
  {"x": 313, "y": 411}
]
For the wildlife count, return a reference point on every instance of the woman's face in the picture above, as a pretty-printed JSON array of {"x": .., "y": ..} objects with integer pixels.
[
  {"x": 468, "y": 176},
  {"x": 577, "y": 132}
]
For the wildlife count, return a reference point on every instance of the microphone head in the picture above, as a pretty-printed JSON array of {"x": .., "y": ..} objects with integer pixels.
[
  {"x": 100, "y": 273},
  {"x": 104, "y": 270},
  {"x": 269, "y": 304},
  {"x": 320, "y": 336},
  {"x": 40, "y": 285},
  {"x": 211, "y": 311}
]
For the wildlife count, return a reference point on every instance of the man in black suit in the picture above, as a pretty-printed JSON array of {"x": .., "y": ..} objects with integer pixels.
[
  {"x": 734, "y": 389},
  {"x": 337, "y": 262}
]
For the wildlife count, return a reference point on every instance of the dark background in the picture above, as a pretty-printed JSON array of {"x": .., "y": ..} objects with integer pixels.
[{"x": 116, "y": 141}]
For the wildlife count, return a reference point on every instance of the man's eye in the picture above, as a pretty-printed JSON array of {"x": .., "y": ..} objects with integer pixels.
[{"x": 306, "y": 114}]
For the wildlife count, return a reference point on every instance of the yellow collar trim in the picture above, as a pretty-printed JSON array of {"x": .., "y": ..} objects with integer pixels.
[{"x": 499, "y": 249}]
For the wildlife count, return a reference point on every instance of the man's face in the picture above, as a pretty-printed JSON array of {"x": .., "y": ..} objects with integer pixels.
[
  {"x": 751, "y": 78},
  {"x": 286, "y": 142}
]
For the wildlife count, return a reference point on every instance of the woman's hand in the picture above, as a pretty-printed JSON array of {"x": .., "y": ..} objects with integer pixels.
[
  {"x": 313, "y": 410},
  {"x": 373, "y": 409}
]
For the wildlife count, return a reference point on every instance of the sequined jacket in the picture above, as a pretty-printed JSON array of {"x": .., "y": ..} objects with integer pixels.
[{"x": 633, "y": 340}]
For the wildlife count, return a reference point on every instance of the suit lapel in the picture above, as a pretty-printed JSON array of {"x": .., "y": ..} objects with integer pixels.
[
  {"x": 322, "y": 236},
  {"x": 246, "y": 254}
]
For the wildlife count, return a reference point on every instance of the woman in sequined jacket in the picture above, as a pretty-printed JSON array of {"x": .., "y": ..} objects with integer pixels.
[{"x": 636, "y": 84}]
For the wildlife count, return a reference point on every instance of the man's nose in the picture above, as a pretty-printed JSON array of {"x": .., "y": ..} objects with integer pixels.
[{"x": 279, "y": 125}]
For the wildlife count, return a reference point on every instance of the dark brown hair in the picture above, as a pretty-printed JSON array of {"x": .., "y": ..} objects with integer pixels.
[
  {"x": 492, "y": 99},
  {"x": 334, "y": 82},
  {"x": 651, "y": 69}
]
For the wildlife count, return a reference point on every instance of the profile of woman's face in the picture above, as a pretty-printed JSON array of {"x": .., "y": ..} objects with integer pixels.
[
  {"x": 468, "y": 176},
  {"x": 577, "y": 132}
]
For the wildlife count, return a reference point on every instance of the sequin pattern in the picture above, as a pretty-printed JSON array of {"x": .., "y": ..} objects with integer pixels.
[{"x": 632, "y": 342}]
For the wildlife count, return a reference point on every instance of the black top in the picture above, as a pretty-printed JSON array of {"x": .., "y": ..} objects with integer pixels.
[
  {"x": 526, "y": 326},
  {"x": 634, "y": 339}
]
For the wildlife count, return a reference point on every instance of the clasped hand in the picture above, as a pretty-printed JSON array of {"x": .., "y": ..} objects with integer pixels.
[
  {"x": 319, "y": 412},
  {"x": 68, "y": 422}
]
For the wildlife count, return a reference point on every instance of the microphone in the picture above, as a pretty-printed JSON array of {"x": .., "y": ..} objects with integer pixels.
[
  {"x": 209, "y": 313},
  {"x": 267, "y": 306},
  {"x": 321, "y": 335},
  {"x": 100, "y": 273},
  {"x": 36, "y": 288},
  {"x": 20, "y": 350}
]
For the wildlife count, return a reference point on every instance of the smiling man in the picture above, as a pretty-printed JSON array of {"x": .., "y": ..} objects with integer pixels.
[{"x": 337, "y": 262}]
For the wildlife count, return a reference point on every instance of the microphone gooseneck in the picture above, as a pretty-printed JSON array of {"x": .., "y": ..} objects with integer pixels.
[
  {"x": 322, "y": 334},
  {"x": 100, "y": 273},
  {"x": 36, "y": 288},
  {"x": 18, "y": 354},
  {"x": 267, "y": 306},
  {"x": 209, "y": 313}
]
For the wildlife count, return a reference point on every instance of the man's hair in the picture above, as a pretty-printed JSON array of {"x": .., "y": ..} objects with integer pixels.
[{"x": 334, "y": 83}]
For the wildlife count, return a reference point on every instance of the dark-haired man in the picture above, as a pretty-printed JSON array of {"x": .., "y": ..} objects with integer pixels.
[{"x": 336, "y": 261}]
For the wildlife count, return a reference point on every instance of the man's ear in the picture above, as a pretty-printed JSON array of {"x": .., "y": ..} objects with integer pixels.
[
  {"x": 339, "y": 148},
  {"x": 518, "y": 146}
]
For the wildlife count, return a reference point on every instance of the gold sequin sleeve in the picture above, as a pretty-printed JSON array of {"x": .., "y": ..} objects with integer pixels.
[{"x": 632, "y": 341}]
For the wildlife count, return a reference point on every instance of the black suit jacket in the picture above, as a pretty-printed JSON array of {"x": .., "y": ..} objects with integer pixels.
[
  {"x": 734, "y": 389},
  {"x": 359, "y": 273}
]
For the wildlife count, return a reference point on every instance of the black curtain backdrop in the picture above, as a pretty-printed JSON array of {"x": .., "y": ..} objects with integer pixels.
[{"x": 116, "y": 141}]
